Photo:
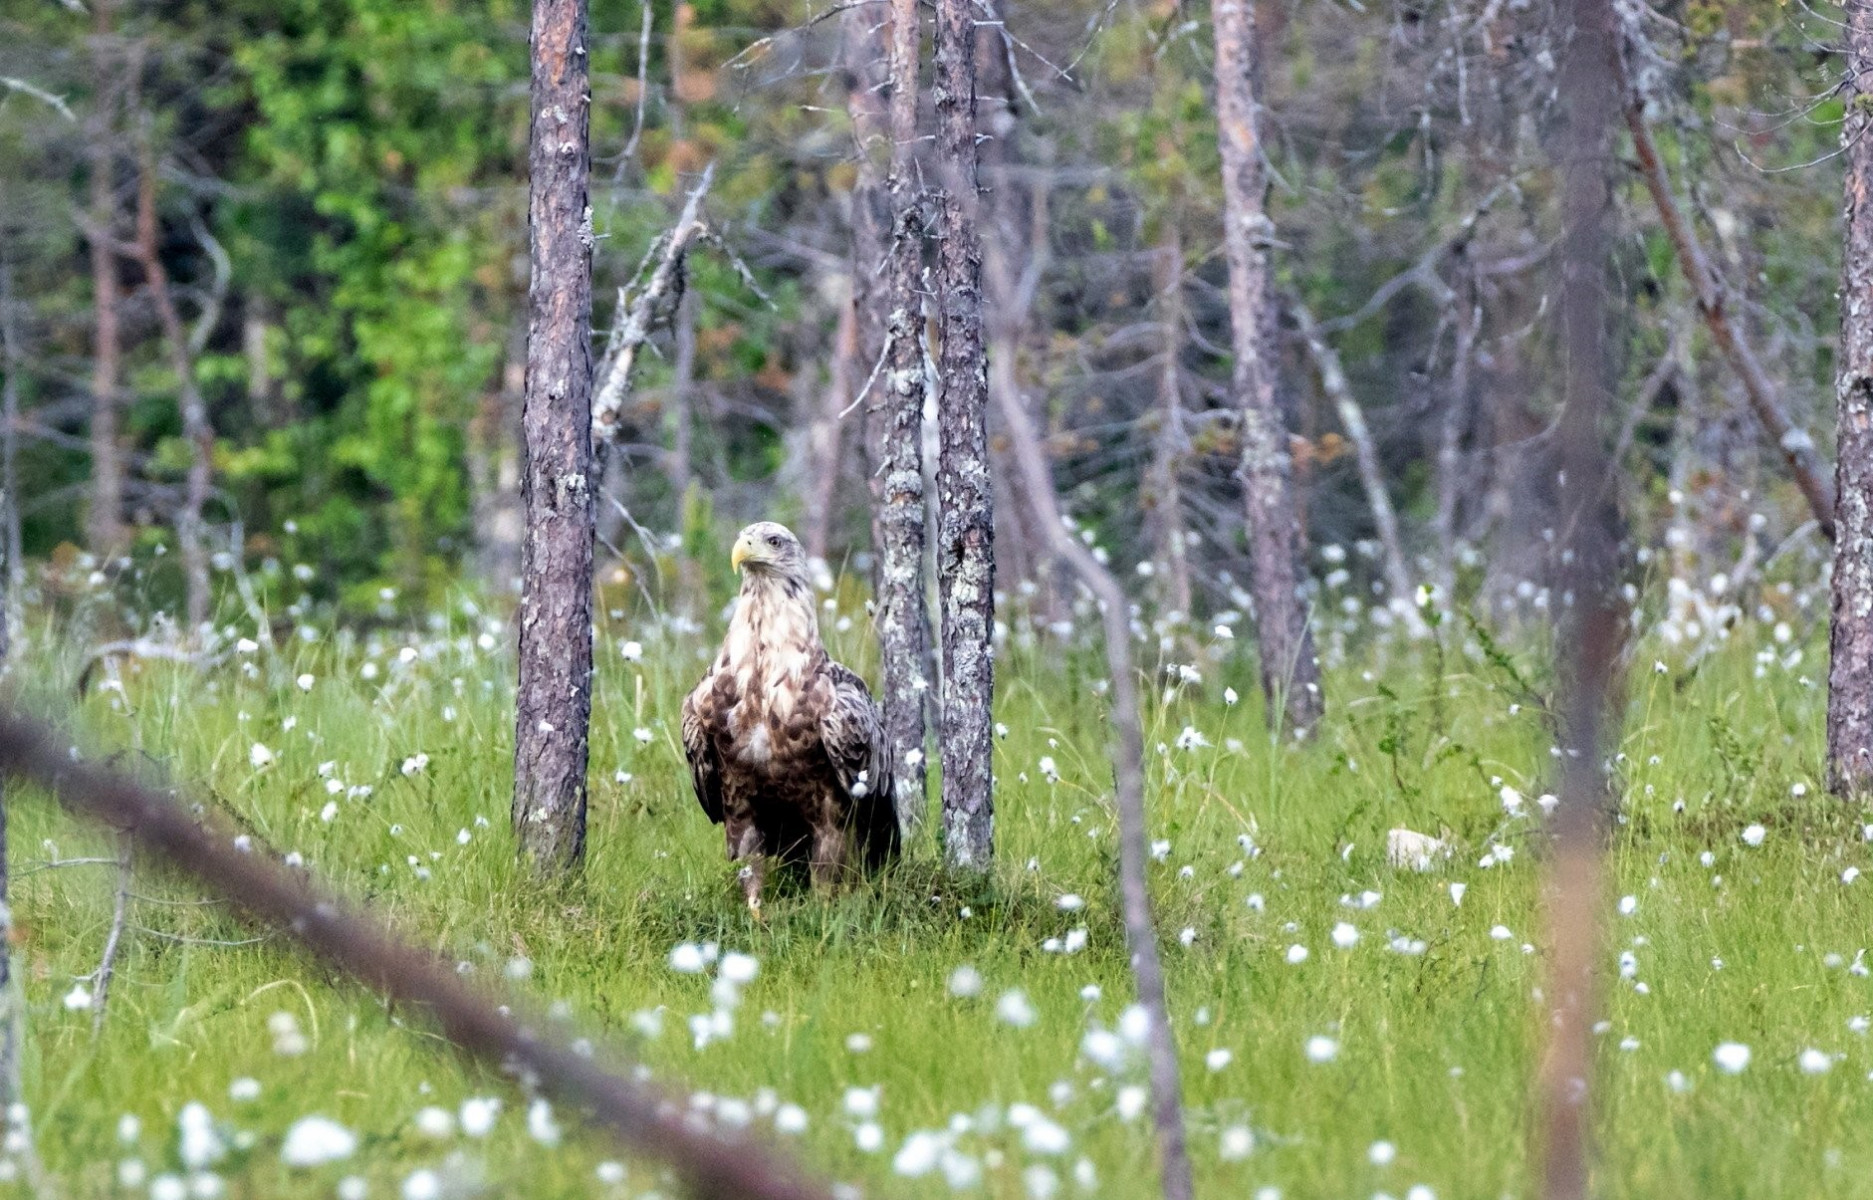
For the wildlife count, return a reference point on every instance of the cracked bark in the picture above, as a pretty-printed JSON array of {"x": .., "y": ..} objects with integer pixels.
[
  {"x": 1850, "y": 641},
  {"x": 553, "y": 701},
  {"x": 888, "y": 232},
  {"x": 965, "y": 506},
  {"x": 1289, "y": 669}
]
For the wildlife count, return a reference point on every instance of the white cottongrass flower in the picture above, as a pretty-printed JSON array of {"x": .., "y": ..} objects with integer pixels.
[
  {"x": 1501, "y": 933},
  {"x": 919, "y": 1154},
  {"x": 260, "y": 757},
  {"x": 1297, "y": 954},
  {"x": 1628, "y": 905},
  {"x": 739, "y": 968},
  {"x": 1042, "y": 1136},
  {"x": 1815, "y": 1062},
  {"x": 416, "y": 764},
  {"x": 1218, "y": 1058},
  {"x": 1753, "y": 835},
  {"x": 610, "y": 1172},
  {"x": 1049, "y": 769},
  {"x": 1511, "y": 800},
  {"x": 632, "y": 652},
  {"x": 200, "y": 1145},
  {"x": 790, "y": 1119},
  {"x": 1131, "y": 1101},
  {"x": 78, "y": 999},
  {"x": 1345, "y": 936},
  {"x": 861, "y": 1103},
  {"x": 244, "y": 1089},
  {"x": 422, "y": 1184},
  {"x": 858, "y": 1043},
  {"x": 869, "y": 1137},
  {"x": 314, "y": 1141},
  {"x": 642, "y": 735},
  {"x": 1322, "y": 1049},
  {"x": 686, "y": 958},
  {"x": 1456, "y": 893},
  {"x": 435, "y": 1122},
  {"x": 965, "y": 981},
  {"x": 478, "y": 1114},
  {"x": 541, "y": 1125},
  {"x": 1191, "y": 739},
  {"x": 1015, "y": 1009},
  {"x": 1381, "y": 1153},
  {"x": 1236, "y": 1144},
  {"x": 1730, "y": 1057},
  {"x": 1229, "y": 697},
  {"x": 305, "y": 682}
]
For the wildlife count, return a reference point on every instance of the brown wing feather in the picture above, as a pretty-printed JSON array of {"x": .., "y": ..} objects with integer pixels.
[
  {"x": 852, "y": 733},
  {"x": 705, "y": 770}
]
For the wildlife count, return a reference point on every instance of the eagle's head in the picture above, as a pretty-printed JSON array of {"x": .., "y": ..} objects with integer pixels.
[{"x": 769, "y": 548}]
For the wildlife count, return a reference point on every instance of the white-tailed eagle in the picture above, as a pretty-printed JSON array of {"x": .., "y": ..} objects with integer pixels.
[{"x": 785, "y": 747}]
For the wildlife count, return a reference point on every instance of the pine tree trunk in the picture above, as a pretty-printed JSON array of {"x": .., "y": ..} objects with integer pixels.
[
  {"x": 554, "y": 699},
  {"x": 1850, "y": 644},
  {"x": 895, "y": 432},
  {"x": 965, "y": 504},
  {"x": 104, "y": 527},
  {"x": 1290, "y": 671}
]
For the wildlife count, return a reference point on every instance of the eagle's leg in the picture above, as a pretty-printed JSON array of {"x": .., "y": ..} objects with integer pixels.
[
  {"x": 751, "y": 849},
  {"x": 828, "y": 865}
]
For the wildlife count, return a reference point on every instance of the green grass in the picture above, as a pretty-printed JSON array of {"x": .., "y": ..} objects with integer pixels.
[{"x": 1435, "y": 1049}]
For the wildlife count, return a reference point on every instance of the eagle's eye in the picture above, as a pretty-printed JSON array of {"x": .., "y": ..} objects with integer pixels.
[{"x": 773, "y": 539}]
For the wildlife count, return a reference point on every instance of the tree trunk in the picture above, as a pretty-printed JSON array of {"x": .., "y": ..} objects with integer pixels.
[
  {"x": 895, "y": 437},
  {"x": 826, "y": 435},
  {"x": 1589, "y": 629},
  {"x": 554, "y": 700},
  {"x": 1456, "y": 419},
  {"x": 1163, "y": 492},
  {"x": 1371, "y": 472},
  {"x": 1290, "y": 671},
  {"x": 965, "y": 503},
  {"x": 1850, "y": 644},
  {"x": 196, "y": 429},
  {"x": 104, "y": 524}
]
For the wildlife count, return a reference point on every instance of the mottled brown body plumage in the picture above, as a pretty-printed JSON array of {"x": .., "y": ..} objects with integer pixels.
[{"x": 786, "y": 749}]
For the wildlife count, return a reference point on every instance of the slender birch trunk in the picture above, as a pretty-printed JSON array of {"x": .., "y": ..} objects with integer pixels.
[
  {"x": 1456, "y": 418},
  {"x": 965, "y": 495},
  {"x": 1290, "y": 672},
  {"x": 826, "y": 435},
  {"x": 1850, "y": 644},
  {"x": 554, "y": 700}
]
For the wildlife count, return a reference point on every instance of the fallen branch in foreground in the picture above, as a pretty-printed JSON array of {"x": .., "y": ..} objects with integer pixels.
[
  {"x": 1128, "y": 772},
  {"x": 712, "y": 1163}
]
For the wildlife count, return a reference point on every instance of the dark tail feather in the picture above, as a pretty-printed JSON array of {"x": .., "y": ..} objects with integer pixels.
[{"x": 877, "y": 827}]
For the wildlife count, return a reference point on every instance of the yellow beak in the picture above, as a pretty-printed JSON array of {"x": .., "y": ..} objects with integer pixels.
[{"x": 740, "y": 554}]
